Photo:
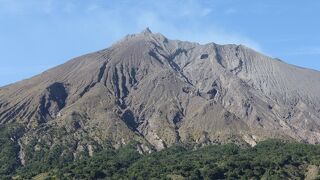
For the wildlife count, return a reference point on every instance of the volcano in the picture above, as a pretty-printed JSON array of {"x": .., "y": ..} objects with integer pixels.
[{"x": 161, "y": 92}]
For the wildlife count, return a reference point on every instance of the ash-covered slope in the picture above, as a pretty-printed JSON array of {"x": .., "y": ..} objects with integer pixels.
[{"x": 161, "y": 92}]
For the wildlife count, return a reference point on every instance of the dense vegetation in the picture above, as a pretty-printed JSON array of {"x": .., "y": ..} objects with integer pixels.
[
  {"x": 270, "y": 159},
  {"x": 9, "y": 149}
]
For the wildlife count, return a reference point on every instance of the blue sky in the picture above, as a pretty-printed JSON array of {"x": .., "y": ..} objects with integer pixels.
[{"x": 38, "y": 34}]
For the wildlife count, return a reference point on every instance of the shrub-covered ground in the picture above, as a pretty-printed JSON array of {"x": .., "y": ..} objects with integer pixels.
[{"x": 271, "y": 159}]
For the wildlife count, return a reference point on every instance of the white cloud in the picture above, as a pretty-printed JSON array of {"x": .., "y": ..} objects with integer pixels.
[
  {"x": 179, "y": 19},
  {"x": 219, "y": 36},
  {"x": 188, "y": 23}
]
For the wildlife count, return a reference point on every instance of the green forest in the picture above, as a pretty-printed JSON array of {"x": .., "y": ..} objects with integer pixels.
[{"x": 271, "y": 159}]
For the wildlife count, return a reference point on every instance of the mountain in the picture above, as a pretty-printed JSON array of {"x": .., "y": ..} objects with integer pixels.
[{"x": 160, "y": 92}]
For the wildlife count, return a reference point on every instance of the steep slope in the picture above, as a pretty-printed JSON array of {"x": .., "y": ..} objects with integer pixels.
[{"x": 160, "y": 92}]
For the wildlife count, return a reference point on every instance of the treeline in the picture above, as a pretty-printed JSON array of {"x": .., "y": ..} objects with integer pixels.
[{"x": 271, "y": 159}]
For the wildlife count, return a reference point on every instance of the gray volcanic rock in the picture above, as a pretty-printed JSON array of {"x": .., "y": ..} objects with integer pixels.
[{"x": 160, "y": 92}]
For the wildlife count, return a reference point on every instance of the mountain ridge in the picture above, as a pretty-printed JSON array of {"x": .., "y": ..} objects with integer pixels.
[{"x": 161, "y": 92}]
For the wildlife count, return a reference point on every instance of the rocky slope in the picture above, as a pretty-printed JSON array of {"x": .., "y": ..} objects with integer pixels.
[{"x": 160, "y": 92}]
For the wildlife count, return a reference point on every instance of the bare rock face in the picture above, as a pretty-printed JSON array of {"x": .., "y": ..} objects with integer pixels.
[{"x": 161, "y": 92}]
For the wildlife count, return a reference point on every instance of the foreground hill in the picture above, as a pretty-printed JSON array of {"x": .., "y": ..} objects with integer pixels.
[
  {"x": 270, "y": 159},
  {"x": 159, "y": 92}
]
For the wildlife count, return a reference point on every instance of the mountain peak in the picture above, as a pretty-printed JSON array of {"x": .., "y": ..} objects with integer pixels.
[
  {"x": 146, "y": 31},
  {"x": 144, "y": 34}
]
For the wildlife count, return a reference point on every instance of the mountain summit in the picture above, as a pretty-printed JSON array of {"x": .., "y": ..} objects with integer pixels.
[
  {"x": 147, "y": 31},
  {"x": 161, "y": 92}
]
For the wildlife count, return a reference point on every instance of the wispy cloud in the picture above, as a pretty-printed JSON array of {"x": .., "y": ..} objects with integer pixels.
[
  {"x": 180, "y": 19},
  {"x": 92, "y": 7}
]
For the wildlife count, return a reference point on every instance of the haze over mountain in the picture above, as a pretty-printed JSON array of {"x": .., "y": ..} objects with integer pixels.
[{"x": 161, "y": 92}]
